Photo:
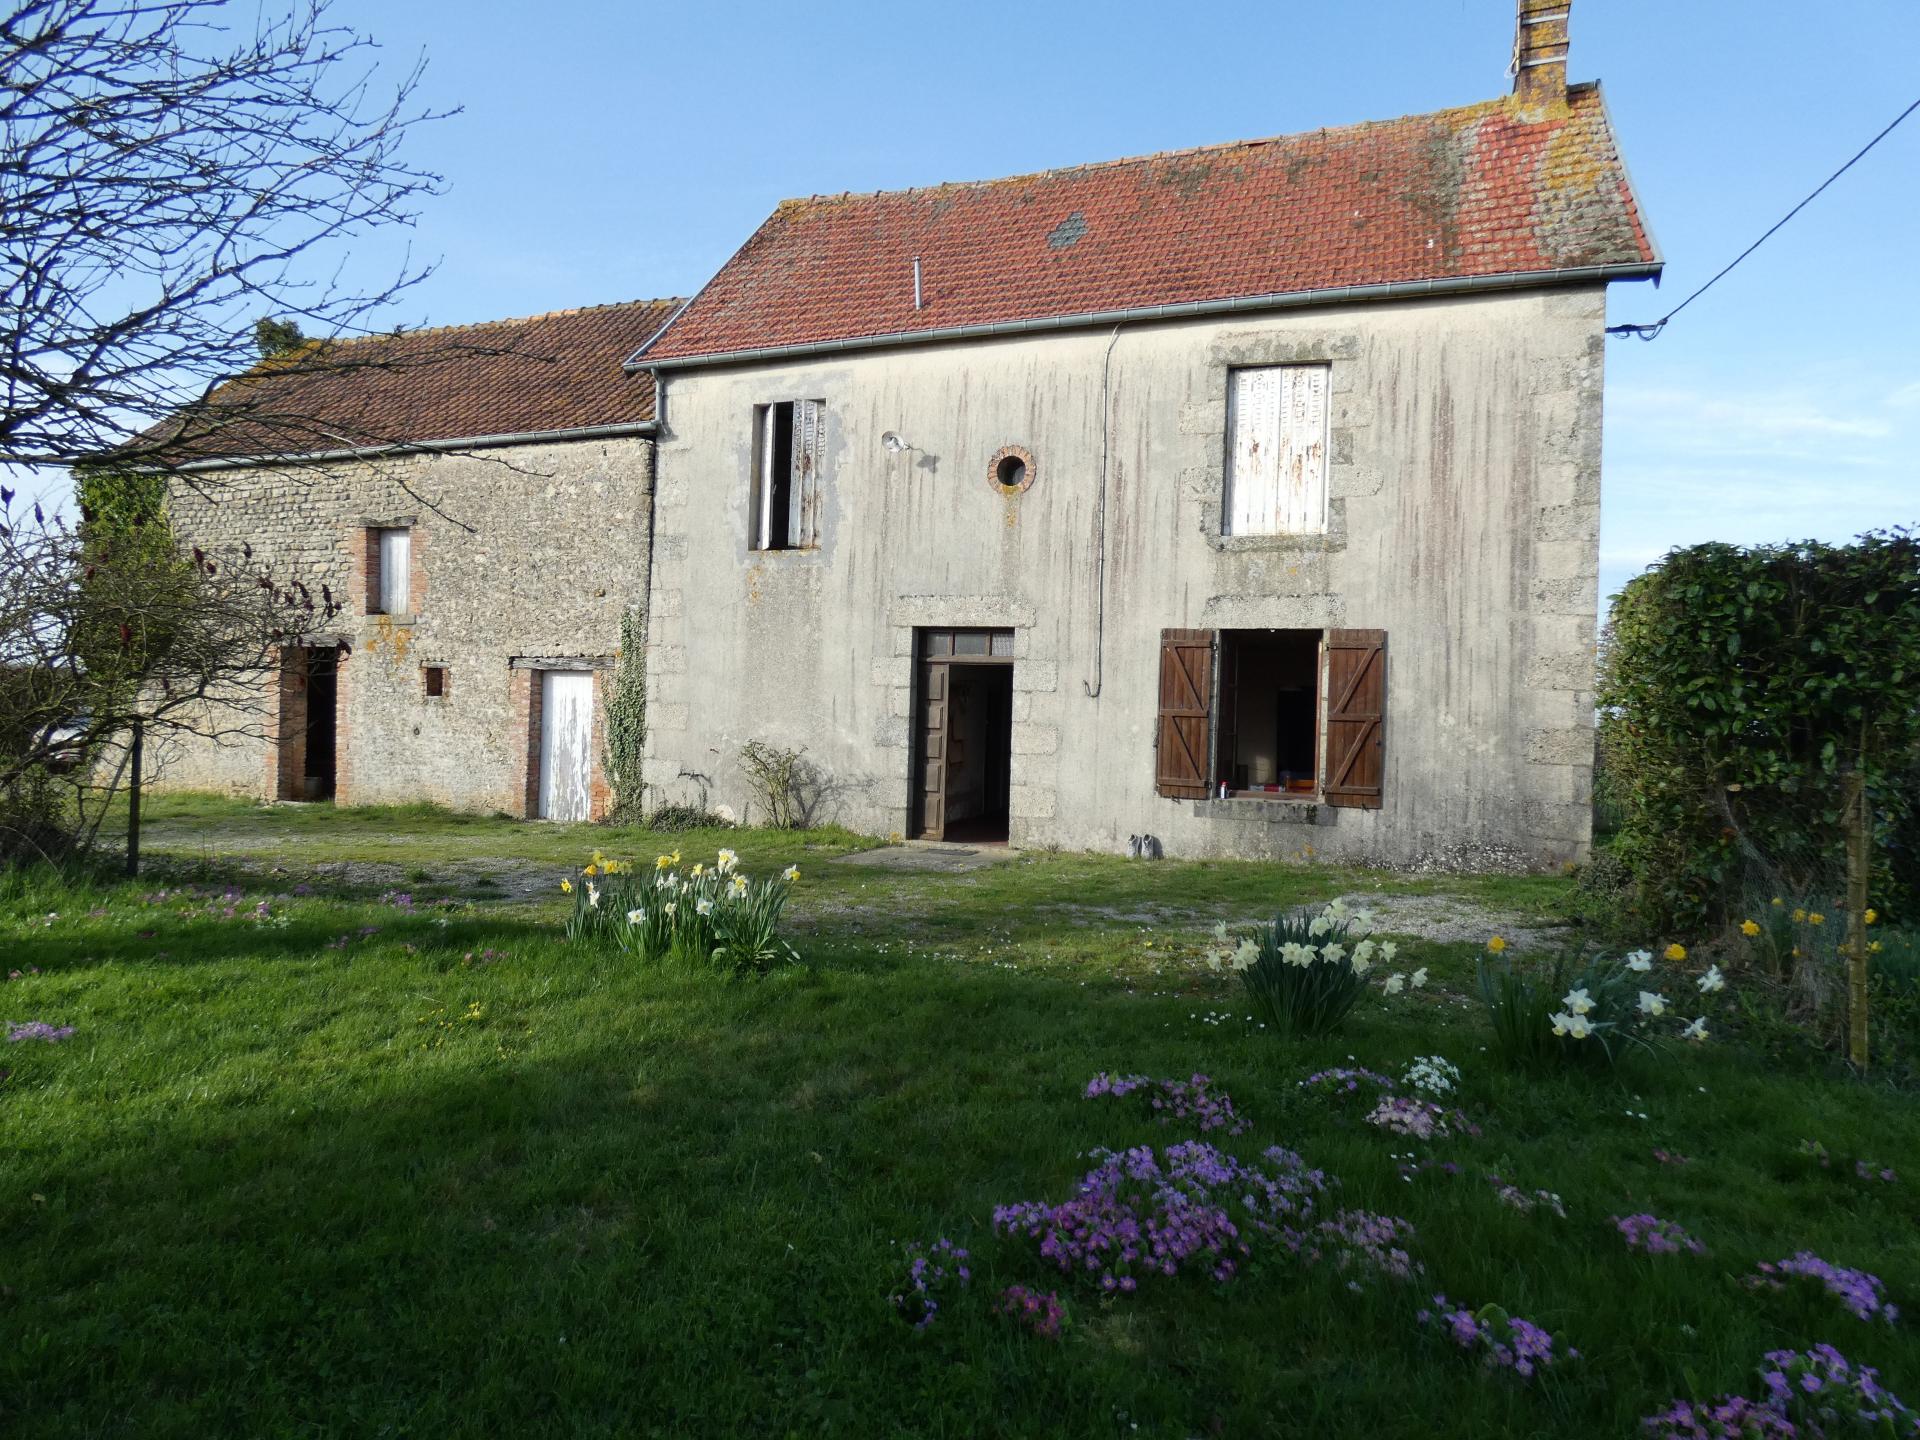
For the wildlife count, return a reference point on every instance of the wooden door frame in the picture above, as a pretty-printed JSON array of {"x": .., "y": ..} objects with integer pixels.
[{"x": 923, "y": 664}]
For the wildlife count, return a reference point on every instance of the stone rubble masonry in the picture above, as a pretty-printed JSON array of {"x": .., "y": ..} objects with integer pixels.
[{"x": 523, "y": 551}]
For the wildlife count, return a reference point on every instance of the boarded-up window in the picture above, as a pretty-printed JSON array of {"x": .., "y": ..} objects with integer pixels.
[
  {"x": 789, "y": 446},
  {"x": 392, "y": 559},
  {"x": 1184, "y": 732},
  {"x": 1277, "y": 450},
  {"x": 1356, "y": 717}
]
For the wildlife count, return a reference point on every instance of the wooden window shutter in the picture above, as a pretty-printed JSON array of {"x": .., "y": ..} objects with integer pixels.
[
  {"x": 1356, "y": 718},
  {"x": 1186, "y": 705},
  {"x": 809, "y": 441}
]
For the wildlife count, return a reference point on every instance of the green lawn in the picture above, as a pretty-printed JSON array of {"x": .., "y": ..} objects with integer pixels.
[{"x": 360, "y": 1168}]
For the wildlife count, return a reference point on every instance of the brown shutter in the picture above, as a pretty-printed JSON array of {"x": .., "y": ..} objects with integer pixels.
[
  {"x": 1356, "y": 717},
  {"x": 1186, "y": 702}
]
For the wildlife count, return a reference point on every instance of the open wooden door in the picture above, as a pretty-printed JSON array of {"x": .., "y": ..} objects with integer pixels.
[
  {"x": 933, "y": 752},
  {"x": 1182, "y": 735},
  {"x": 1356, "y": 718}
]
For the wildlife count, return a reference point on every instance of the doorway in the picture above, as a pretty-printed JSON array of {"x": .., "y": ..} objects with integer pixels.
[
  {"x": 566, "y": 744},
  {"x": 1269, "y": 733},
  {"x": 964, "y": 735},
  {"x": 323, "y": 724}
]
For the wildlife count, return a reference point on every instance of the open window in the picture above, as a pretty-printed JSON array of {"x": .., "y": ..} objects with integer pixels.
[
  {"x": 789, "y": 440},
  {"x": 1278, "y": 713},
  {"x": 389, "y": 571}
]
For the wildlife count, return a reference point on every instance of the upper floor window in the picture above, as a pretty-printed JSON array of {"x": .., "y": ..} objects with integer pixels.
[
  {"x": 390, "y": 563},
  {"x": 789, "y": 444},
  {"x": 1277, "y": 450}
]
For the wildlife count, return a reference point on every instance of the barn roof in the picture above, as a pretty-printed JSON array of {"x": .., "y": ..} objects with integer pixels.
[
  {"x": 540, "y": 375},
  {"x": 1495, "y": 193}
]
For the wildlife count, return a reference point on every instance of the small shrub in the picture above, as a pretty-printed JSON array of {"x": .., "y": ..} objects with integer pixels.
[
  {"x": 676, "y": 819},
  {"x": 780, "y": 781}
]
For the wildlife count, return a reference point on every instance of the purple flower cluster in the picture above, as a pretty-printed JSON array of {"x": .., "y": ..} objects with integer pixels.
[
  {"x": 1870, "y": 1170},
  {"x": 1342, "y": 1081},
  {"x": 398, "y": 899},
  {"x": 1867, "y": 1170},
  {"x": 932, "y": 1270},
  {"x": 1515, "y": 1198},
  {"x": 1360, "y": 1242},
  {"x": 1651, "y": 1235},
  {"x": 1190, "y": 1207},
  {"x": 1412, "y": 1166},
  {"x": 1508, "y": 1341},
  {"x": 37, "y": 1030},
  {"x": 1176, "y": 1100},
  {"x": 1669, "y": 1157},
  {"x": 1420, "y": 1119},
  {"x": 1860, "y": 1292},
  {"x": 1815, "y": 1394},
  {"x": 1042, "y": 1314}
]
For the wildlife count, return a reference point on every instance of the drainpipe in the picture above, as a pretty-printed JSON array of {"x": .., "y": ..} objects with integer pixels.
[{"x": 1092, "y": 686}]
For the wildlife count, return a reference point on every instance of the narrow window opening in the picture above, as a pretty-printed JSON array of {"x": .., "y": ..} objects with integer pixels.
[
  {"x": 435, "y": 679},
  {"x": 788, "y": 447},
  {"x": 1268, "y": 741},
  {"x": 389, "y": 561}
]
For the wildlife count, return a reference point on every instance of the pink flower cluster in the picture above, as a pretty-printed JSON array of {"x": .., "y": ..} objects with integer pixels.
[
  {"x": 1360, "y": 1242},
  {"x": 1189, "y": 1207},
  {"x": 1042, "y": 1314},
  {"x": 37, "y": 1030},
  {"x": 1420, "y": 1119},
  {"x": 1669, "y": 1157},
  {"x": 1651, "y": 1235},
  {"x": 1175, "y": 1100},
  {"x": 1506, "y": 1342},
  {"x": 932, "y": 1271},
  {"x": 1816, "y": 1394},
  {"x": 1514, "y": 1198},
  {"x": 1860, "y": 1292},
  {"x": 1342, "y": 1081}
]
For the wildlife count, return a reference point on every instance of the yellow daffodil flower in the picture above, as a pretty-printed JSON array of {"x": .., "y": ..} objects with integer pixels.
[
  {"x": 1496, "y": 944},
  {"x": 591, "y": 870},
  {"x": 566, "y": 887},
  {"x": 1799, "y": 915},
  {"x": 1676, "y": 952},
  {"x": 1816, "y": 918},
  {"x": 1871, "y": 916},
  {"x": 1749, "y": 929}
]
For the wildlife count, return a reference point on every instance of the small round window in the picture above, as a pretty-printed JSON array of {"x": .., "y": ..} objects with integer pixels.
[{"x": 1011, "y": 470}]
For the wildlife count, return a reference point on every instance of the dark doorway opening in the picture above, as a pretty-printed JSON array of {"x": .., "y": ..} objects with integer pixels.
[
  {"x": 323, "y": 724},
  {"x": 1269, "y": 738},
  {"x": 964, "y": 734}
]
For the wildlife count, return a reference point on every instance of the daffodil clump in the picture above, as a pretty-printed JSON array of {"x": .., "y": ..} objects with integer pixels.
[
  {"x": 1305, "y": 969},
  {"x": 1788, "y": 933},
  {"x": 708, "y": 912},
  {"x": 1591, "y": 1011}
]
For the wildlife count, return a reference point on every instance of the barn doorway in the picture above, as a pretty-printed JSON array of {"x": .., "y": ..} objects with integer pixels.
[
  {"x": 963, "y": 781},
  {"x": 306, "y": 724},
  {"x": 566, "y": 745},
  {"x": 1269, "y": 733}
]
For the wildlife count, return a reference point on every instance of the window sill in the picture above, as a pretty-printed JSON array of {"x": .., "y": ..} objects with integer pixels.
[
  {"x": 1309, "y": 542},
  {"x": 1271, "y": 809},
  {"x": 398, "y": 621},
  {"x": 795, "y": 551}
]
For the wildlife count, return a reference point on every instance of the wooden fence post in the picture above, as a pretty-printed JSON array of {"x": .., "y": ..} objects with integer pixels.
[{"x": 1859, "y": 857}]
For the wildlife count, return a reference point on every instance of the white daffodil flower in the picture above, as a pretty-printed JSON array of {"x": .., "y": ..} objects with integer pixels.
[
  {"x": 1337, "y": 909},
  {"x": 726, "y": 861},
  {"x": 1712, "y": 981},
  {"x": 1245, "y": 955},
  {"x": 636, "y": 917},
  {"x": 1640, "y": 961},
  {"x": 1362, "y": 922},
  {"x": 1319, "y": 926},
  {"x": 1562, "y": 1022},
  {"x": 1696, "y": 1031},
  {"x": 1578, "y": 1002},
  {"x": 1652, "y": 1004},
  {"x": 1418, "y": 978},
  {"x": 790, "y": 874},
  {"x": 1394, "y": 984},
  {"x": 593, "y": 894},
  {"x": 1388, "y": 949},
  {"x": 703, "y": 906},
  {"x": 1578, "y": 1027},
  {"x": 1363, "y": 954},
  {"x": 1335, "y": 954}
]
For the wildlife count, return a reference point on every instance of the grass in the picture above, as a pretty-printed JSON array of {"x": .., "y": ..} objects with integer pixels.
[{"x": 277, "y": 1185}]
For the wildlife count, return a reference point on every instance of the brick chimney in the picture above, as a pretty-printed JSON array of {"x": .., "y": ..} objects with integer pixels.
[{"x": 1540, "y": 52}]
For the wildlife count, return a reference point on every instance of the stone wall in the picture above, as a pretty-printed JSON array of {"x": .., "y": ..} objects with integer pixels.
[
  {"x": 519, "y": 554},
  {"x": 1464, "y": 483}
]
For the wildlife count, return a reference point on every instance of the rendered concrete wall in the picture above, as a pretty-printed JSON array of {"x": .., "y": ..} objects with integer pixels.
[
  {"x": 529, "y": 551},
  {"x": 1465, "y": 517}
]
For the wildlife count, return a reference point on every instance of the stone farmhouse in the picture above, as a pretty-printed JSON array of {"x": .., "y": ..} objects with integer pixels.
[
  {"x": 479, "y": 501},
  {"x": 1245, "y": 496}
]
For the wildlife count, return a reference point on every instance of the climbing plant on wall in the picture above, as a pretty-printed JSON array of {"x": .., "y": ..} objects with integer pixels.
[
  {"x": 627, "y": 719},
  {"x": 1740, "y": 690}
]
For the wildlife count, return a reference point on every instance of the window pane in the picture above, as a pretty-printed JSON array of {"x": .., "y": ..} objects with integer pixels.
[
  {"x": 970, "y": 642},
  {"x": 1003, "y": 642},
  {"x": 1277, "y": 450},
  {"x": 395, "y": 550}
]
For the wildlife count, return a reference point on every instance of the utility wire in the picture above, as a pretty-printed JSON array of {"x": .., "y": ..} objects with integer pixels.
[{"x": 1649, "y": 332}]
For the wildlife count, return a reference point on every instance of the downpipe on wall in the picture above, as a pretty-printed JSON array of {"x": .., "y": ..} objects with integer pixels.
[{"x": 1092, "y": 685}]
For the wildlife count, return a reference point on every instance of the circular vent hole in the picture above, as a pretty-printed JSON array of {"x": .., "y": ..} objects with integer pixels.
[{"x": 1011, "y": 471}]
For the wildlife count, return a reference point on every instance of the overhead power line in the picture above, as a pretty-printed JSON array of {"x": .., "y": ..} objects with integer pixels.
[{"x": 1649, "y": 332}]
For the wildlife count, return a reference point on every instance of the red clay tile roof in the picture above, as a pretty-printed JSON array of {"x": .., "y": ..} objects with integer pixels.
[
  {"x": 557, "y": 371},
  {"x": 1485, "y": 190}
]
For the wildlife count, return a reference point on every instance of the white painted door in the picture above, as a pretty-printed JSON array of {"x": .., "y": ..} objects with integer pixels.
[{"x": 566, "y": 744}]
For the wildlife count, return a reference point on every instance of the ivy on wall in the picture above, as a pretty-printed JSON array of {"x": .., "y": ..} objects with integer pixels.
[{"x": 626, "y": 704}]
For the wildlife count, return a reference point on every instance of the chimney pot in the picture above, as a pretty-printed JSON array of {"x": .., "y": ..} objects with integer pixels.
[{"x": 1540, "y": 52}]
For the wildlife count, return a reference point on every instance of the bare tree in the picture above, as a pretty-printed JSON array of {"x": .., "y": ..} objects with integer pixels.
[
  {"x": 108, "y": 634},
  {"x": 174, "y": 171}
]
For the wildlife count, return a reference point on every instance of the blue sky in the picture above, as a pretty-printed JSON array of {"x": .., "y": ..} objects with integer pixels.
[{"x": 615, "y": 151}]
